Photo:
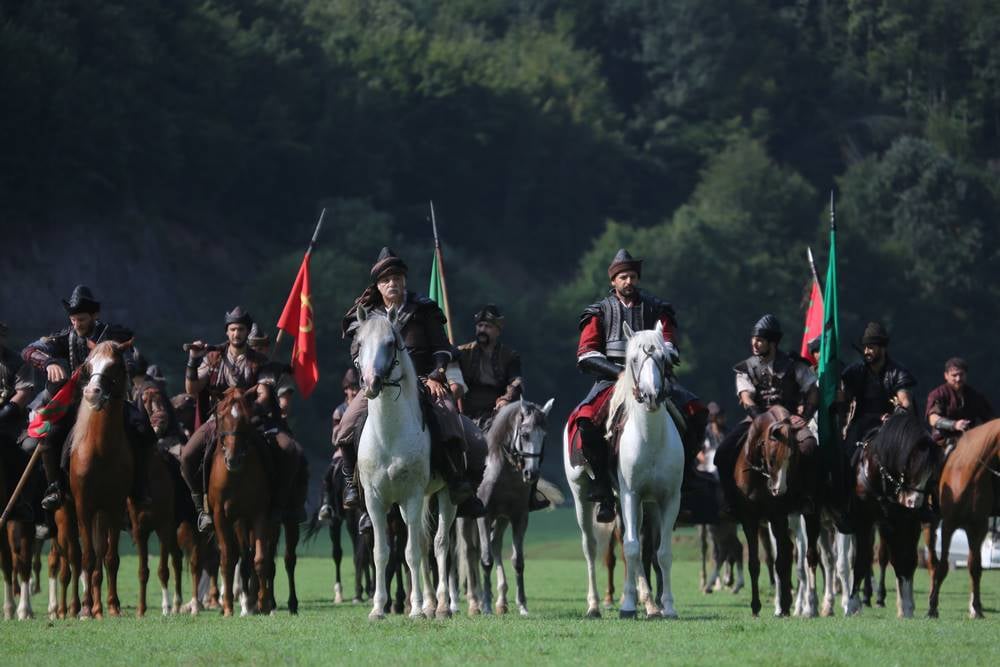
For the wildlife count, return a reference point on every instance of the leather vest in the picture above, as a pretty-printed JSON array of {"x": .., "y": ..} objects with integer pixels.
[
  {"x": 614, "y": 314},
  {"x": 774, "y": 387}
]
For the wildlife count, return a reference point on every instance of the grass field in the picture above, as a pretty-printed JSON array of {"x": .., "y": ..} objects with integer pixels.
[{"x": 713, "y": 629}]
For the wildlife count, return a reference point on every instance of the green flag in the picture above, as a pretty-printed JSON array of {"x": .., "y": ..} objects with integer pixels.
[
  {"x": 829, "y": 354},
  {"x": 438, "y": 290}
]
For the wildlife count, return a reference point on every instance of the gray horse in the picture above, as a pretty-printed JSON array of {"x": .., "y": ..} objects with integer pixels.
[{"x": 515, "y": 441}]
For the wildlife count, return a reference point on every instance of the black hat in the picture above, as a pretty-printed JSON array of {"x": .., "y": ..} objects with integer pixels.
[
  {"x": 490, "y": 314},
  {"x": 875, "y": 334},
  {"x": 239, "y": 316},
  {"x": 81, "y": 301},
  {"x": 623, "y": 261},
  {"x": 155, "y": 373},
  {"x": 350, "y": 380},
  {"x": 387, "y": 264},
  {"x": 767, "y": 327},
  {"x": 255, "y": 337},
  {"x": 140, "y": 364}
]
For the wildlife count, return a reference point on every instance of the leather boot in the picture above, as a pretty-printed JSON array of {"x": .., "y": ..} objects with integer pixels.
[
  {"x": 456, "y": 474},
  {"x": 204, "y": 517},
  {"x": 349, "y": 453},
  {"x": 536, "y": 501},
  {"x": 53, "y": 497}
]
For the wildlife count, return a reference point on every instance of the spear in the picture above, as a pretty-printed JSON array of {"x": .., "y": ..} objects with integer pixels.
[{"x": 439, "y": 260}]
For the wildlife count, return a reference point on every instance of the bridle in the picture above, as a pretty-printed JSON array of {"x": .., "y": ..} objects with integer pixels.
[
  {"x": 764, "y": 470},
  {"x": 111, "y": 387},
  {"x": 397, "y": 347},
  {"x": 220, "y": 437},
  {"x": 514, "y": 453},
  {"x": 889, "y": 480},
  {"x": 661, "y": 366}
]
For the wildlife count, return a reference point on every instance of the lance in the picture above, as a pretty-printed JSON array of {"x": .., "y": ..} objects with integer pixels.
[
  {"x": 444, "y": 283},
  {"x": 21, "y": 483},
  {"x": 312, "y": 245}
]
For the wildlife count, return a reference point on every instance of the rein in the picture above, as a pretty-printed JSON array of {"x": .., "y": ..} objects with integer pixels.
[
  {"x": 660, "y": 366},
  {"x": 389, "y": 382},
  {"x": 898, "y": 484},
  {"x": 516, "y": 456}
]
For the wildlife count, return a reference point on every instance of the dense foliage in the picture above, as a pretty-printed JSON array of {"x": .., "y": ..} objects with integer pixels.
[{"x": 704, "y": 134}]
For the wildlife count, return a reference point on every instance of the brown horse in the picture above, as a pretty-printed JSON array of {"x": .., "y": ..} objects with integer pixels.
[
  {"x": 968, "y": 497},
  {"x": 769, "y": 474},
  {"x": 100, "y": 470},
  {"x": 64, "y": 558},
  {"x": 239, "y": 493},
  {"x": 17, "y": 539}
]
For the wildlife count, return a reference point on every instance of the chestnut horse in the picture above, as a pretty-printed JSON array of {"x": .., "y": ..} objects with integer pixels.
[
  {"x": 17, "y": 538},
  {"x": 239, "y": 493},
  {"x": 100, "y": 470},
  {"x": 768, "y": 475},
  {"x": 968, "y": 496}
]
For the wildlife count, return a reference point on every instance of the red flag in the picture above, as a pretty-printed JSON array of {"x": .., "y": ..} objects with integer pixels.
[
  {"x": 297, "y": 320},
  {"x": 814, "y": 322},
  {"x": 55, "y": 409}
]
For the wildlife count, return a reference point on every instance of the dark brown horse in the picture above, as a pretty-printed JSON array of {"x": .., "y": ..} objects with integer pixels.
[
  {"x": 893, "y": 476},
  {"x": 970, "y": 480},
  {"x": 100, "y": 470},
  {"x": 239, "y": 494},
  {"x": 16, "y": 550},
  {"x": 769, "y": 475}
]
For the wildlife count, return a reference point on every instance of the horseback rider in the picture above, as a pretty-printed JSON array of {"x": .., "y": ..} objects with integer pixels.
[
  {"x": 213, "y": 371},
  {"x": 421, "y": 325},
  {"x": 768, "y": 377},
  {"x": 16, "y": 390},
  {"x": 351, "y": 386},
  {"x": 955, "y": 407},
  {"x": 59, "y": 355},
  {"x": 491, "y": 369},
  {"x": 601, "y": 353},
  {"x": 875, "y": 386},
  {"x": 143, "y": 387}
]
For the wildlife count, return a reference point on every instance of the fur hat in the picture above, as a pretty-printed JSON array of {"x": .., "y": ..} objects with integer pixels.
[
  {"x": 623, "y": 261},
  {"x": 387, "y": 264},
  {"x": 239, "y": 316}
]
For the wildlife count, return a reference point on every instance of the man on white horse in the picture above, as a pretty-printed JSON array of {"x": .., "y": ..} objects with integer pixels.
[
  {"x": 768, "y": 377},
  {"x": 601, "y": 353},
  {"x": 422, "y": 329}
]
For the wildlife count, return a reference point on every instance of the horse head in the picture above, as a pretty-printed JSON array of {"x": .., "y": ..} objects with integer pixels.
[
  {"x": 232, "y": 417},
  {"x": 379, "y": 348},
  {"x": 104, "y": 374},
  {"x": 527, "y": 441},
  {"x": 647, "y": 362},
  {"x": 778, "y": 451},
  {"x": 907, "y": 459}
]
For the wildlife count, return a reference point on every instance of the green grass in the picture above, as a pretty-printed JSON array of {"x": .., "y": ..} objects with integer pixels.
[{"x": 714, "y": 629}]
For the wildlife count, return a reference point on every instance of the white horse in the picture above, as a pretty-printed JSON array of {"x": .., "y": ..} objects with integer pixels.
[
  {"x": 650, "y": 470},
  {"x": 394, "y": 463}
]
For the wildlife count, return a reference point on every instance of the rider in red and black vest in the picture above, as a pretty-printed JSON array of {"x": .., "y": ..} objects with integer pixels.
[
  {"x": 601, "y": 353},
  {"x": 955, "y": 407}
]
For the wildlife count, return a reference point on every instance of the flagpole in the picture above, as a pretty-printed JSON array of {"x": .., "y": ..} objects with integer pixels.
[
  {"x": 812, "y": 266},
  {"x": 444, "y": 283},
  {"x": 312, "y": 244}
]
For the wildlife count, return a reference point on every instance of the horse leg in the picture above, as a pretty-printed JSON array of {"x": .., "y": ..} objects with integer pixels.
[
  {"x": 585, "y": 520},
  {"x": 703, "y": 543},
  {"x": 163, "y": 575},
  {"x": 797, "y": 524},
  {"x": 863, "y": 548},
  {"x": 827, "y": 560},
  {"x": 291, "y": 542},
  {"x": 54, "y": 565},
  {"x": 140, "y": 535},
  {"x": 665, "y": 553},
  {"x": 846, "y": 553},
  {"x": 632, "y": 550},
  {"x": 486, "y": 527},
  {"x": 782, "y": 565},
  {"x": 23, "y": 554},
  {"x": 413, "y": 513},
  {"x": 36, "y": 568},
  {"x": 903, "y": 541},
  {"x": 112, "y": 561},
  {"x": 263, "y": 564},
  {"x": 752, "y": 535},
  {"x": 376, "y": 511},
  {"x": 468, "y": 559},
  {"x": 939, "y": 565},
  {"x": 609, "y": 564},
  {"x": 976, "y": 532},
  {"x": 177, "y": 563},
  {"x": 496, "y": 551},
  {"x": 226, "y": 538},
  {"x": 442, "y": 543},
  {"x": 337, "y": 553},
  {"x": 812, "y": 530},
  {"x": 519, "y": 526},
  {"x": 883, "y": 564},
  {"x": 91, "y": 605},
  {"x": 7, "y": 567},
  {"x": 767, "y": 542}
]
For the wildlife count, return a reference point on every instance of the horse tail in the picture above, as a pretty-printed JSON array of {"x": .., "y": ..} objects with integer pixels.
[
  {"x": 551, "y": 492},
  {"x": 312, "y": 528}
]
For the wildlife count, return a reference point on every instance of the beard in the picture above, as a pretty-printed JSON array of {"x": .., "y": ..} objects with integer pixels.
[{"x": 483, "y": 338}]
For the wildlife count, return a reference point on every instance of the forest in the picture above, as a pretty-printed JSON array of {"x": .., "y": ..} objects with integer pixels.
[{"x": 175, "y": 156}]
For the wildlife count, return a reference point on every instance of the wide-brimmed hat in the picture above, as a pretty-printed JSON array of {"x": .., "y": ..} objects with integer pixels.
[
  {"x": 875, "y": 334},
  {"x": 623, "y": 261},
  {"x": 81, "y": 301}
]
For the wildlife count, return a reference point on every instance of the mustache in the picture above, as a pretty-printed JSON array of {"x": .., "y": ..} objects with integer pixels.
[{"x": 483, "y": 338}]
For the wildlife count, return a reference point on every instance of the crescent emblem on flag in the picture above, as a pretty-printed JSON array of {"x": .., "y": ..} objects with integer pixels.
[{"x": 307, "y": 326}]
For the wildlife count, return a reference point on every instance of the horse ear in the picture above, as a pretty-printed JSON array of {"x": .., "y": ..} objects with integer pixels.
[
  {"x": 362, "y": 313},
  {"x": 127, "y": 345},
  {"x": 629, "y": 332},
  {"x": 659, "y": 327},
  {"x": 524, "y": 407},
  {"x": 548, "y": 406}
]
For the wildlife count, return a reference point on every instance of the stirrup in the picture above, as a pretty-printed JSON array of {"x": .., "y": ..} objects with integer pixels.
[
  {"x": 365, "y": 523},
  {"x": 352, "y": 499},
  {"x": 204, "y": 521},
  {"x": 53, "y": 497},
  {"x": 325, "y": 513}
]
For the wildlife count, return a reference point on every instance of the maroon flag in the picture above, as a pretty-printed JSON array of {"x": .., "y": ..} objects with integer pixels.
[{"x": 55, "y": 409}]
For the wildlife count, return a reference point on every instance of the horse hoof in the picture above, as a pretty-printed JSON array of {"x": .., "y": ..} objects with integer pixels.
[
  {"x": 593, "y": 612},
  {"x": 626, "y": 613},
  {"x": 879, "y": 603},
  {"x": 501, "y": 609},
  {"x": 654, "y": 616},
  {"x": 523, "y": 611},
  {"x": 933, "y": 613},
  {"x": 443, "y": 613},
  {"x": 376, "y": 615},
  {"x": 670, "y": 615},
  {"x": 338, "y": 598},
  {"x": 737, "y": 588},
  {"x": 976, "y": 615}
]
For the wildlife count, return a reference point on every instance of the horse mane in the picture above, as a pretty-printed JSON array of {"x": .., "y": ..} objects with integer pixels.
[
  {"x": 903, "y": 442},
  {"x": 979, "y": 444},
  {"x": 233, "y": 396},
  {"x": 625, "y": 384},
  {"x": 501, "y": 429}
]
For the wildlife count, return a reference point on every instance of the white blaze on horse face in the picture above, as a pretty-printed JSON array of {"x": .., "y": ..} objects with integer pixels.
[
  {"x": 235, "y": 412},
  {"x": 93, "y": 391},
  {"x": 779, "y": 479},
  {"x": 913, "y": 498}
]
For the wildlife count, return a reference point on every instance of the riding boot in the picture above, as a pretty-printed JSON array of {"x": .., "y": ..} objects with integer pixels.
[
  {"x": 349, "y": 453},
  {"x": 537, "y": 501},
  {"x": 54, "y": 476},
  {"x": 595, "y": 451},
  {"x": 204, "y": 516},
  {"x": 365, "y": 523},
  {"x": 454, "y": 469}
]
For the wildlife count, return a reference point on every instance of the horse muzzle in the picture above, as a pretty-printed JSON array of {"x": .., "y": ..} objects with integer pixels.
[
  {"x": 234, "y": 462},
  {"x": 373, "y": 388},
  {"x": 96, "y": 398}
]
